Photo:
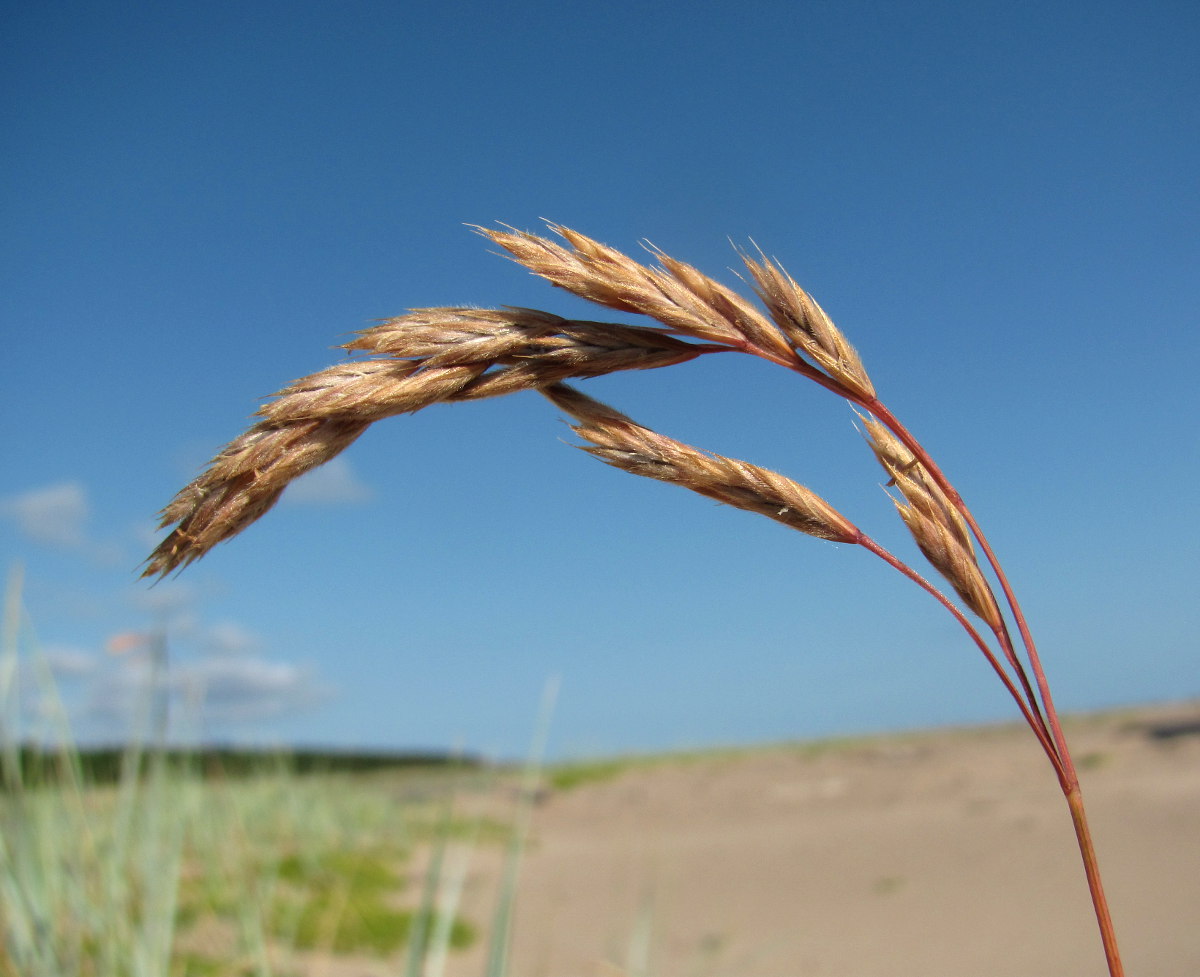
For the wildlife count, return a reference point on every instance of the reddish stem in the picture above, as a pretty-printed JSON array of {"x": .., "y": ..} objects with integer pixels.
[
  {"x": 1041, "y": 716},
  {"x": 888, "y": 419},
  {"x": 1038, "y": 729},
  {"x": 1091, "y": 867},
  {"x": 1063, "y": 764}
]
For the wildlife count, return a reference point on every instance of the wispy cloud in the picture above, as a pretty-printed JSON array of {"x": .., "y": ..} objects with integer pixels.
[
  {"x": 172, "y": 603},
  {"x": 69, "y": 662},
  {"x": 230, "y": 638},
  {"x": 146, "y": 534},
  {"x": 211, "y": 692},
  {"x": 57, "y": 515},
  {"x": 249, "y": 688},
  {"x": 229, "y": 684},
  {"x": 334, "y": 483}
]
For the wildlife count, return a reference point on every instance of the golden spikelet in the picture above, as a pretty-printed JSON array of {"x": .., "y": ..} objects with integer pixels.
[
  {"x": 947, "y": 555},
  {"x": 807, "y": 326},
  {"x": 676, "y": 294},
  {"x": 622, "y": 443},
  {"x": 937, "y": 526},
  {"x": 444, "y": 355}
]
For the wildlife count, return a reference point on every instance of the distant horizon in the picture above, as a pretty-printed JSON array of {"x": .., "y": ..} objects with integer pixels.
[{"x": 417, "y": 754}]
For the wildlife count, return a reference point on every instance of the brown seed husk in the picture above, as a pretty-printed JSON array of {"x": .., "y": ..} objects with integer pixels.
[
  {"x": 943, "y": 550},
  {"x": 806, "y": 325},
  {"x": 621, "y": 442},
  {"x": 676, "y": 294},
  {"x": 937, "y": 526},
  {"x": 433, "y": 356}
]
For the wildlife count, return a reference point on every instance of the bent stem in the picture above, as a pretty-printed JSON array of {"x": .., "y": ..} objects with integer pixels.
[
  {"x": 1038, "y": 729},
  {"x": 1046, "y": 729}
]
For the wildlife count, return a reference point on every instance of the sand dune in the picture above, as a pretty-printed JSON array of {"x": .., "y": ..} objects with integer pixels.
[{"x": 942, "y": 854}]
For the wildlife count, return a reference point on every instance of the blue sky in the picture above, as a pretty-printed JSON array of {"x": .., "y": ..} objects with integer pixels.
[{"x": 997, "y": 202}]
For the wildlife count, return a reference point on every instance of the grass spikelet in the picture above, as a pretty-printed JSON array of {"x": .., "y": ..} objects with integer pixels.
[
  {"x": 947, "y": 555},
  {"x": 621, "y": 442},
  {"x": 430, "y": 356},
  {"x": 677, "y": 295},
  {"x": 937, "y": 526},
  {"x": 914, "y": 482},
  {"x": 450, "y": 336},
  {"x": 805, "y": 323}
]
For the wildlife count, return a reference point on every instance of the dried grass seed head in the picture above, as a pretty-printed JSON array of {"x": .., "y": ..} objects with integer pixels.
[
  {"x": 242, "y": 484},
  {"x": 943, "y": 550},
  {"x": 938, "y": 527},
  {"x": 623, "y": 443},
  {"x": 449, "y": 355},
  {"x": 914, "y": 482},
  {"x": 676, "y": 294},
  {"x": 806, "y": 325}
]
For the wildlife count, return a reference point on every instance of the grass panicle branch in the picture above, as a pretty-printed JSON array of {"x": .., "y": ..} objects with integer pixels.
[
  {"x": 622, "y": 443},
  {"x": 427, "y": 357},
  {"x": 936, "y": 525},
  {"x": 455, "y": 354},
  {"x": 677, "y": 295},
  {"x": 809, "y": 329}
]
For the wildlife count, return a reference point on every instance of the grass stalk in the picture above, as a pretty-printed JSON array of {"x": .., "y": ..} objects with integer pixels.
[
  {"x": 432, "y": 929},
  {"x": 447, "y": 354},
  {"x": 1043, "y": 739},
  {"x": 449, "y": 897},
  {"x": 501, "y": 937},
  {"x": 1038, "y": 710}
]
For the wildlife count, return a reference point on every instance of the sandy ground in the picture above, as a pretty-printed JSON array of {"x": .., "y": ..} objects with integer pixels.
[
  {"x": 944, "y": 854},
  {"x": 941, "y": 854}
]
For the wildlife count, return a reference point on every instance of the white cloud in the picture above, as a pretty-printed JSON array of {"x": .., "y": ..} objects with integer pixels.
[
  {"x": 247, "y": 689},
  {"x": 334, "y": 483},
  {"x": 208, "y": 693},
  {"x": 167, "y": 600},
  {"x": 230, "y": 638},
  {"x": 212, "y": 678},
  {"x": 147, "y": 534},
  {"x": 66, "y": 662},
  {"x": 55, "y": 514},
  {"x": 45, "y": 681}
]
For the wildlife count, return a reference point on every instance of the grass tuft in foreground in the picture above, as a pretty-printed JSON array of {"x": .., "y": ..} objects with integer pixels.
[{"x": 179, "y": 871}]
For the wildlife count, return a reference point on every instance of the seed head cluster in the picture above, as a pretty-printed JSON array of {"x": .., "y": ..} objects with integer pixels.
[
  {"x": 624, "y": 444},
  {"x": 440, "y": 355},
  {"x": 937, "y": 526}
]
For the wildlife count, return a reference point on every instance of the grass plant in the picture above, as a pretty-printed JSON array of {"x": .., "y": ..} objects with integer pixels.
[
  {"x": 179, "y": 871},
  {"x": 450, "y": 354},
  {"x": 245, "y": 878}
]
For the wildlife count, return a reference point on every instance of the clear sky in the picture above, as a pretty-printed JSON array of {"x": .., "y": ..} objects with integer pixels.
[{"x": 996, "y": 201}]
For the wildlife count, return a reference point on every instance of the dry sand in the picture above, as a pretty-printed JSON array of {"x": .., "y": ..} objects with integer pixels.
[{"x": 941, "y": 854}]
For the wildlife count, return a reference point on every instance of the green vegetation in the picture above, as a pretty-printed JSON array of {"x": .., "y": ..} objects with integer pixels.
[
  {"x": 161, "y": 864},
  {"x": 107, "y": 765},
  {"x": 175, "y": 874},
  {"x": 572, "y": 775},
  {"x": 888, "y": 884},
  {"x": 340, "y": 899}
]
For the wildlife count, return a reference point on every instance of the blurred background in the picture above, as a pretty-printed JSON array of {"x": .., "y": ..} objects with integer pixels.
[{"x": 997, "y": 202}]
